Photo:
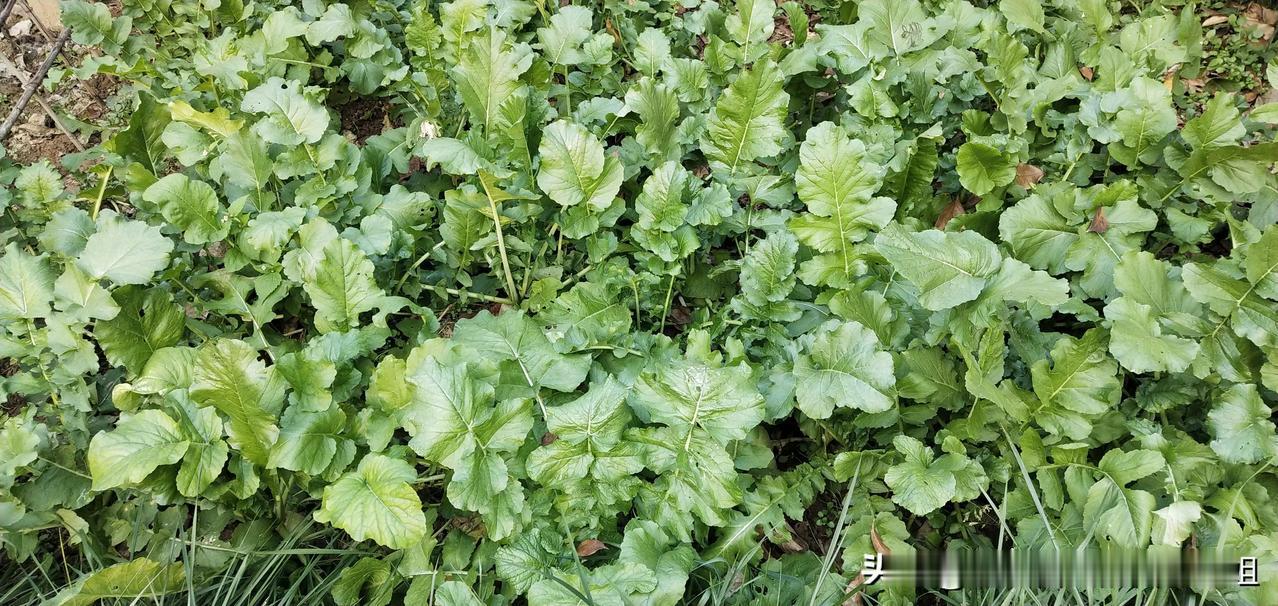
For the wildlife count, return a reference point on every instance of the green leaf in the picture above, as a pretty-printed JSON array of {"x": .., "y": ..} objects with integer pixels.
[
  {"x": 1026, "y": 14},
  {"x": 342, "y": 286},
  {"x": 1151, "y": 300},
  {"x": 982, "y": 168},
  {"x": 1139, "y": 343},
  {"x": 1123, "y": 515},
  {"x": 748, "y": 121},
  {"x": 751, "y": 24},
  {"x": 689, "y": 396},
  {"x": 1125, "y": 467},
  {"x": 842, "y": 365},
  {"x": 1240, "y": 422},
  {"x": 574, "y": 168},
  {"x": 1217, "y": 126},
  {"x": 376, "y": 501},
  {"x": 487, "y": 76},
  {"x": 1145, "y": 119},
  {"x": 588, "y": 442},
  {"x": 1175, "y": 522},
  {"x": 513, "y": 337},
  {"x": 229, "y": 377},
  {"x": 1080, "y": 376},
  {"x": 658, "y": 107},
  {"x": 207, "y": 454},
  {"x": 767, "y": 278},
  {"x": 1250, "y": 315},
  {"x": 140, "y": 443},
  {"x": 123, "y": 251},
  {"x": 949, "y": 268},
  {"x": 92, "y": 24},
  {"x": 291, "y": 118},
  {"x": 588, "y": 314},
  {"x": 454, "y": 156},
  {"x": 569, "y": 28},
  {"x": 148, "y": 320},
  {"x": 453, "y": 422},
  {"x": 190, "y": 205},
  {"x": 134, "y": 580},
  {"x": 919, "y": 483},
  {"x": 308, "y": 441},
  {"x": 837, "y": 183},
  {"x": 26, "y": 286}
]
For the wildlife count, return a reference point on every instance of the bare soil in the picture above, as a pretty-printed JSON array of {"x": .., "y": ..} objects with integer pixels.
[{"x": 85, "y": 107}]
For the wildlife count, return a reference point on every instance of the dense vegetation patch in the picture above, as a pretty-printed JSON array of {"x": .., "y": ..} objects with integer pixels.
[{"x": 638, "y": 302}]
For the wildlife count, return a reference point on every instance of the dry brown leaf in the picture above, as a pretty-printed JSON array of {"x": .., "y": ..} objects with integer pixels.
[
  {"x": 877, "y": 542},
  {"x": 855, "y": 600},
  {"x": 1099, "y": 223},
  {"x": 1215, "y": 20},
  {"x": 590, "y": 547},
  {"x": 793, "y": 546},
  {"x": 1027, "y": 175},
  {"x": 1259, "y": 14},
  {"x": 954, "y": 209}
]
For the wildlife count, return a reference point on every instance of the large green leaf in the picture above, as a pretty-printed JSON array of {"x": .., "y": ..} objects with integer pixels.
[
  {"x": 574, "y": 168},
  {"x": 139, "y": 443},
  {"x": 512, "y": 336},
  {"x": 291, "y": 117},
  {"x": 190, "y": 205},
  {"x": 837, "y": 182},
  {"x": 229, "y": 377},
  {"x": 748, "y": 122},
  {"x": 1242, "y": 425},
  {"x": 842, "y": 365},
  {"x": 133, "y": 580},
  {"x": 124, "y": 251},
  {"x": 148, "y": 321},
  {"x": 982, "y": 168},
  {"x": 342, "y": 286},
  {"x": 948, "y": 268},
  {"x": 26, "y": 286},
  {"x": 377, "y": 502}
]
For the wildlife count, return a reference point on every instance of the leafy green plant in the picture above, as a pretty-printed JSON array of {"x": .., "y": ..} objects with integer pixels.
[{"x": 635, "y": 303}]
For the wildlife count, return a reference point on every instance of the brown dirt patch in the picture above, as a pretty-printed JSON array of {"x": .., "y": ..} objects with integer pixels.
[
  {"x": 364, "y": 117},
  {"x": 85, "y": 107}
]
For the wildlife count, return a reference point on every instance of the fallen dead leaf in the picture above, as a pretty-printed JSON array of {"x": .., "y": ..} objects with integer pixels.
[
  {"x": 1261, "y": 20},
  {"x": 793, "y": 546},
  {"x": 954, "y": 209},
  {"x": 1215, "y": 20},
  {"x": 877, "y": 542},
  {"x": 1099, "y": 223},
  {"x": 1027, "y": 175},
  {"x": 590, "y": 547}
]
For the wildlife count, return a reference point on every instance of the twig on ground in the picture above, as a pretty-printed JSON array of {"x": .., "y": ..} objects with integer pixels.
[
  {"x": 4, "y": 12},
  {"x": 34, "y": 82},
  {"x": 36, "y": 20},
  {"x": 8, "y": 66}
]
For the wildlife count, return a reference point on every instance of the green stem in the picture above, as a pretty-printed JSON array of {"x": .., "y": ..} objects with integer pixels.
[
  {"x": 97, "y": 201},
  {"x": 665, "y": 310},
  {"x": 440, "y": 290},
  {"x": 501, "y": 243}
]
